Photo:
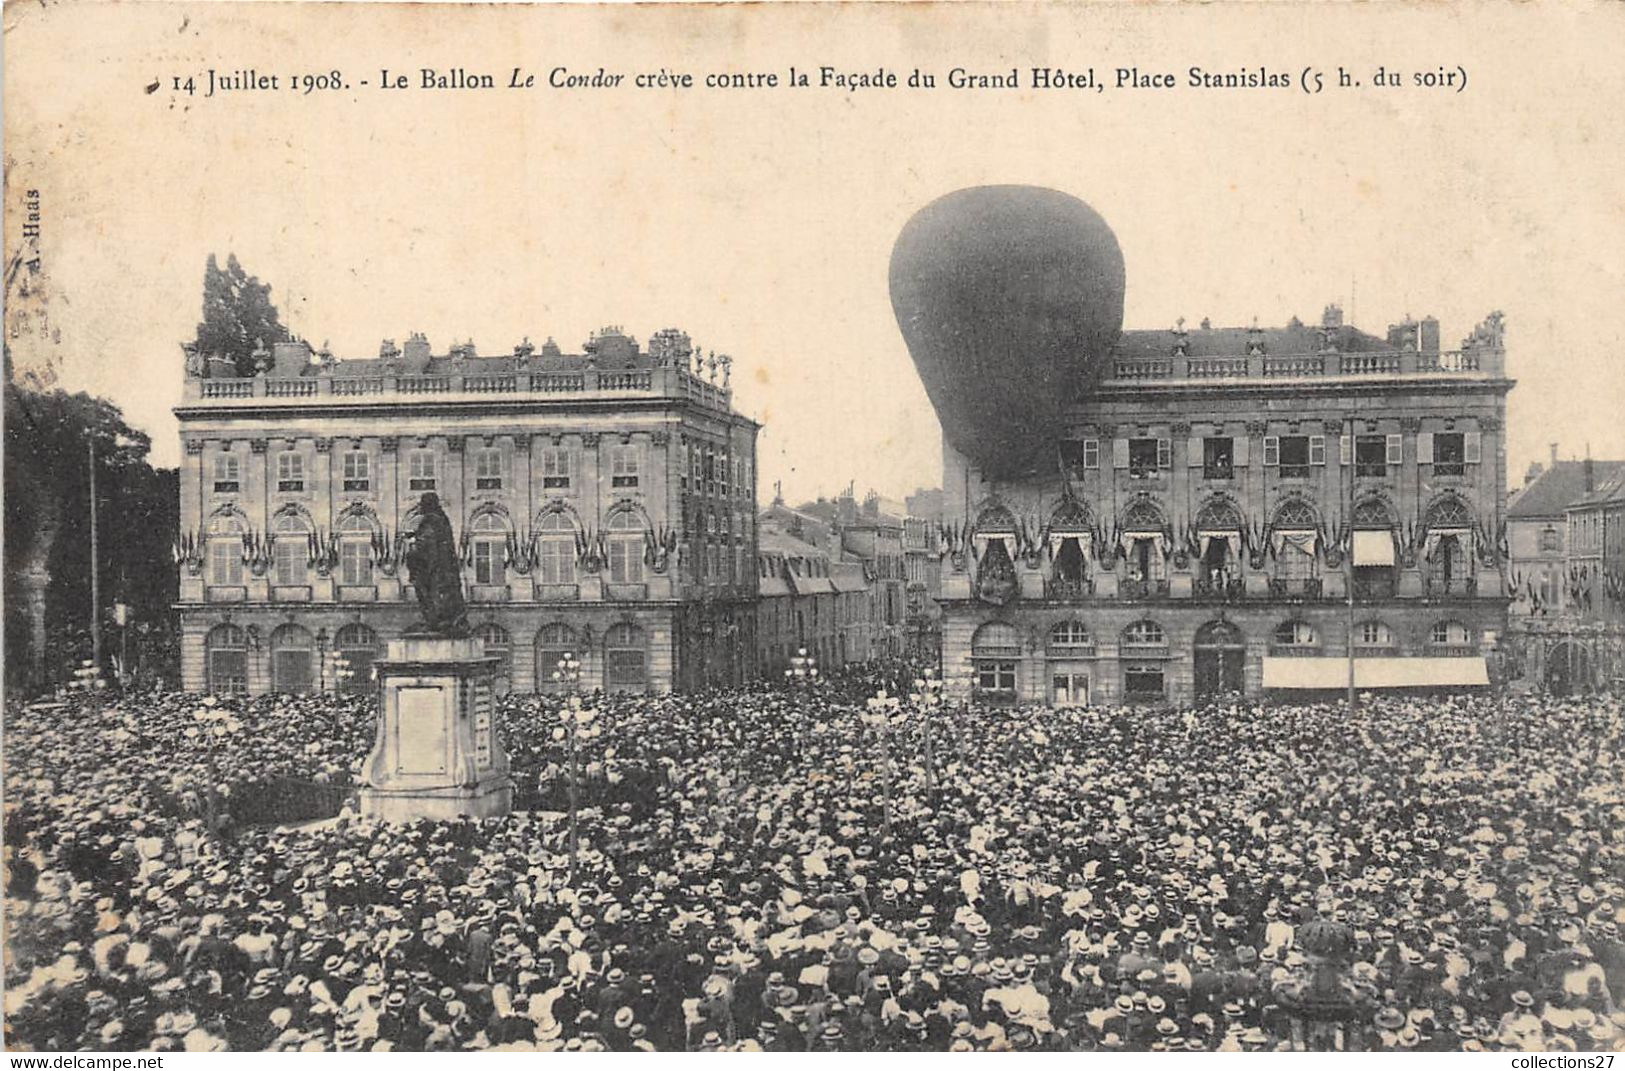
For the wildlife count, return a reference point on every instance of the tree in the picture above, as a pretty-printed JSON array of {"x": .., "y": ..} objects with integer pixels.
[
  {"x": 47, "y": 518},
  {"x": 237, "y": 315}
]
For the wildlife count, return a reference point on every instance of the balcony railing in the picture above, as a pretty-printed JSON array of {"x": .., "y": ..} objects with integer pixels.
[
  {"x": 1217, "y": 367},
  {"x": 666, "y": 381},
  {"x": 1229, "y": 591},
  {"x": 1437, "y": 587},
  {"x": 1142, "y": 589},
  {"x": 1308, "y": 587},
  {"x": 1068, "y": 589},
  {"x": 1301, "y": 365}
]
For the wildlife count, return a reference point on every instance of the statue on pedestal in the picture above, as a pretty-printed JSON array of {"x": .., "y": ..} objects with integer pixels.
[{"x": 436, "y": 574}]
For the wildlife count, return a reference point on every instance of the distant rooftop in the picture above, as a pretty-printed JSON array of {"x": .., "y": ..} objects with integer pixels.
[{"x": 1559, "y": 486}]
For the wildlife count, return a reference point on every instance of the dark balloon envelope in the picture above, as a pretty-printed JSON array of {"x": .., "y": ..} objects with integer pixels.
[{"x": 1010, "y": 299}]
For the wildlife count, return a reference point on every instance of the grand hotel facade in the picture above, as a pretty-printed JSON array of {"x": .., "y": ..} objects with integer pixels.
[
  {"x": 1208, "y": 505},
  {"x": 604, "y": 505}
]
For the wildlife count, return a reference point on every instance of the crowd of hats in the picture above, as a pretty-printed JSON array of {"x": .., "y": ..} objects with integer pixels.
[{"x": 1078, "y": 879}]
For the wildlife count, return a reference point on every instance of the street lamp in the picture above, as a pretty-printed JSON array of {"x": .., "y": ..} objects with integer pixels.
[
  {"x": 802, "y": 674},
  {"x": 882, "y": 709},
  {"x": 577, "y": 722},
  {"x": 121, "y": 617},
  {"x": 927, "y": 698}
]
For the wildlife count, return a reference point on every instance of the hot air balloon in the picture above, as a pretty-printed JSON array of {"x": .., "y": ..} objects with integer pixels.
[{"x": 1010, "y": 299}]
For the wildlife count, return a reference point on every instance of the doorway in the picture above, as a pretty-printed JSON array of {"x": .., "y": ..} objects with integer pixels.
[
  {"x": 1069, "y": 689},
  {"x": 1220, "y": 660}
]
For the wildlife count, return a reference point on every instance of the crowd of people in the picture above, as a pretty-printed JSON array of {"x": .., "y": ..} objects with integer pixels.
[{"x": 775, "y": 870}]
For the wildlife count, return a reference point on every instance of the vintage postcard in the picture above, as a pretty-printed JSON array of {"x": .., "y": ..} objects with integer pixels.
[{"x": 813, "y": 527}]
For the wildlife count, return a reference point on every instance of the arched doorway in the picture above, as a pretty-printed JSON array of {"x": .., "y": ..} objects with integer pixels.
[
  {"x": 356, "y": 646},
  {"x": 1220, "y": 653},
  {"x": 293, "y": 660},
  {"x": 554, "y": 643},
  {"x": 227, "y": 647},
  {"x": 1568, "y": 669},
  {"x": 626, "y": 659}
]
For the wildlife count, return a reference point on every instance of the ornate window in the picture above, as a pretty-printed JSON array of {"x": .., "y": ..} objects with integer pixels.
[
  {"x": 290, "y": 551},
  {"x": 355, "y": 551},
  {"x": 490, "y": 539},
  {"x": 1450, "y": 634},
  {"x": 626, "y": 548},
  {"x": 556, "y": 548},
  {"x": 1372, "y": 636},
  {"x": 1551, "y": 539},
  {"x": 226, "y": 550}
]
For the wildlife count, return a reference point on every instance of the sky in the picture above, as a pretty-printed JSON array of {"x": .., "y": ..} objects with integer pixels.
[{"x": 762, "y": 222}]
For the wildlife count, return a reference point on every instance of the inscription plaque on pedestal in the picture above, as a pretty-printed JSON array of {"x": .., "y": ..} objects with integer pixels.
[{"x": 436, "y": 754}]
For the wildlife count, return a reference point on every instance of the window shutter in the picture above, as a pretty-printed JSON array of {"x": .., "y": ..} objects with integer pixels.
[
  {"x": 1424, "y": 448},
  {"x": 1165, "y": 453},
  {"x": 1472, "y": 448},
  {"x": 1119, "y": 453},
  {"x": 1345, "y": 450},
  {"x": 1396, "y": 449},
  {"x": 1272, "y": 450},
  {"x": 1238, "y": 452},
  {"x": 1091, "y": 453},
  {"x": 1193, "y": 451},
  {"x": 1317, "y": 449}
]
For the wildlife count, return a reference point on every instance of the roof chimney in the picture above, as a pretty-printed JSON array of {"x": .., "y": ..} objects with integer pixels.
[
  {"x": 1591, "y": 475},
  {"x": 1554, "y": 454}
]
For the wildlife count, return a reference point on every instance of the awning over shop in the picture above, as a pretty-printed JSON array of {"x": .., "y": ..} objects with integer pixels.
[
  {"x": 811, "y": 585},
  {"x": 1369, "y": 673},
  {"x": 1373, "y": 547}
]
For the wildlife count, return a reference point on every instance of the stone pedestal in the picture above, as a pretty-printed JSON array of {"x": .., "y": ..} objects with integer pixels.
[{"x": 436, "y": 754}]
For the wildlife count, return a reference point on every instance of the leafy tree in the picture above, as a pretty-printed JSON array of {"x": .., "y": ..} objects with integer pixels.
[
  {"x": 47, "y": 519},
  {"x": 237, "y": 315}
]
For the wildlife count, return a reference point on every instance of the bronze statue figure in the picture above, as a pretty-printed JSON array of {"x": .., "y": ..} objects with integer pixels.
[{"x": 436, "y": 574}]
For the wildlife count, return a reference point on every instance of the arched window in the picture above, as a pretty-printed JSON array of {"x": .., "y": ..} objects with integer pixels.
[
  {"x": 1447, "y": 550},
  {"x": 1294, "y": 537},
  {"x": 556, "y": 547},
  {"x": 1295, "y": 634},
  {"x": 553, "y": 643},
  {"x": 1373, "y": 637},
  {"x": 290, "y": 550},
  {"x": 626, "y": 659},
  {"x": 226, "y": 550},
  {"x": 355, "y": 646},
  {"x": 1449, "y": 512},
  {"x": 489, "y": 536},
  {"x": 1218, "y": 634},
  {"x": 1373, "y": 549},
  {"x": 498, "y": 645},
  {"x": 995, "y": 649},
  {"x": 1373, "y": 513},
  {"x": 1069, "y": 637},
  {"x": 1143, "y": 536},
  {"x": 995, "y": 520},
  {"x": 226, "y": 649},
  {"x": 1143, "y": 634},
  {"x": 1453, "y": 635},
  {"x": 355, "y": 550},
  {"x": 626, "y": 547},
  {"x": 293, "y": 660},
  {"x": 1219, "y": 516},
  {"x": 1295, "y": 515}
]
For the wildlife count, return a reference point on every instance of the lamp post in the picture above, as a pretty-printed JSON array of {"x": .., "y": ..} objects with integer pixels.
[
  {"x": 95, "y": 568},
  {"x": 576, "y": 719},
  {"x": 927, "y": 698},
  {"x": 321, "y": 660},
  {"x": 882, "y": 709},
  {"x": 121, "y": 616},
  {"x": 803, "y": 675}
]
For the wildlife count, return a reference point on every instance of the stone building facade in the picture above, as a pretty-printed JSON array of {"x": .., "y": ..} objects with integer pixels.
[
  {"x": 811, "y": 599},
  {"x": 1208, "y": 507},
  {"x": 604, "y": 505}
]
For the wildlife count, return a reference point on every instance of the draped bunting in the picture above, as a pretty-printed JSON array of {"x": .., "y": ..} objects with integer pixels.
[
  {"x": 1130, "y": 538},
  {"x": 1304, "y": 539},
  {"x": 980, "y": 541},
  {"x": 1231, "y": 537},
  {"x": 1436, "y": 536},
  {"x": 1085, "y": 542}
]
